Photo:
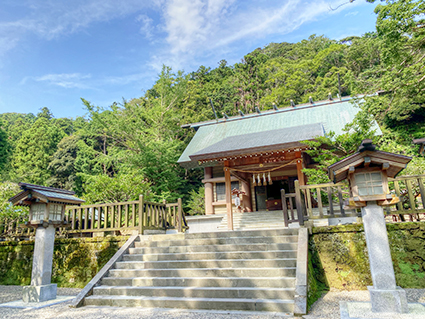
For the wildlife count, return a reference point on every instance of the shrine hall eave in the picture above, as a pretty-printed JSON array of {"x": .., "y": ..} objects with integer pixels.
[{"x": 271, "y": 140}]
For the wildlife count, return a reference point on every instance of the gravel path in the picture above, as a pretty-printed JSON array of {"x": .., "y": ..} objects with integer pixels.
[{"x": 326, "y": 307}]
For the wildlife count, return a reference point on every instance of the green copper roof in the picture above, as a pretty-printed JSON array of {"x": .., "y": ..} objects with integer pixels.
[
  {"x": 283, "y": 138},
  {"x": 333, "y": 115}
]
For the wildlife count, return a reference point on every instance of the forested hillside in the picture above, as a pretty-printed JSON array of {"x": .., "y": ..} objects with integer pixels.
[{"x": 131, "y": 148}]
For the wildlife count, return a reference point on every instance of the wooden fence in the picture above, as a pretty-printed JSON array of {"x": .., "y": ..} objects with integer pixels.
[
  {"x": 329, "y": 200},
  {"x": 121, "y": 217}
]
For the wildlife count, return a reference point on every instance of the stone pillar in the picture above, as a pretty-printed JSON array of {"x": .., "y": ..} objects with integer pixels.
[
  {"x": 209, "y": 192},
  {"x": 385, "y": 296},
  {"x": 41, "y": 288}
]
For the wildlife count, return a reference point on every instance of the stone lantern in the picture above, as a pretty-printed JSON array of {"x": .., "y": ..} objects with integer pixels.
[
  {"x": 367, "y": 172},
  {"x": 47, "y": 210}
]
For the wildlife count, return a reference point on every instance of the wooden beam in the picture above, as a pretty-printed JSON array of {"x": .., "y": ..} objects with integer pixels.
[
  {"x": 367, "y": 161},
  {"x": 300, "y": 174},
  {"x": 239, "y": 176},
  {"x": 228, "y": 185},
  {"x": 385, "y": 166},
  {"x": 217, "y": 180},
  {"x": 270, "y": 158}
]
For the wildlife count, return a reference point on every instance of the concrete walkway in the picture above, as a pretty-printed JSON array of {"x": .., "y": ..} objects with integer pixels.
[{"x": 326, "y": 307}]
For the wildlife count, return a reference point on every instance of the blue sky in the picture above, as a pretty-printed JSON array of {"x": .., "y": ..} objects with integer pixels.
[{"x": 54, "y": 52}]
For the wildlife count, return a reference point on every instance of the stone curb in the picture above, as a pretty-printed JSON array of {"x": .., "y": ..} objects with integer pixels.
[{"x": 301, "y": 282}]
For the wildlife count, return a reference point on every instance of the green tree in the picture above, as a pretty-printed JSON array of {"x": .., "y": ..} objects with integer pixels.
[
  {"x": 62, "y": 164},
  {"x": 7, "y": 210},
  {"x": 400, "y": 26},
  {"x": 45, "y": 113},
  {"x": 332, "y": 148},
  {"x": 4, "y": 150},
  {"x": 196, "y": 203},
  {"x": 120, "y": 188},
  {"x": 33, "y": 151}
]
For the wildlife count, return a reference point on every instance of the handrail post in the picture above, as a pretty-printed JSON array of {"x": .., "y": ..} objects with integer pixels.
[
  {"x": 164, "y": 214},
  {"x": 180, "y": 215},
  {"x": 141, "y": 210},
  {"x": 298, "y": 202},
  {"x": 284, "y": 207}
]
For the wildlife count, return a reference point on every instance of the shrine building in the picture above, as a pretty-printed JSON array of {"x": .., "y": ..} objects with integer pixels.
[{"x": 261, "y": 153}]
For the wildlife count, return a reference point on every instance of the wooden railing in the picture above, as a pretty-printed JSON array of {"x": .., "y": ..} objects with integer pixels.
[
  {"x": 319, "y": 201},
  {"x": 411, "y": 191},
  {"x": 129, "y": 216},
  {"x": 9, "y": 227}
]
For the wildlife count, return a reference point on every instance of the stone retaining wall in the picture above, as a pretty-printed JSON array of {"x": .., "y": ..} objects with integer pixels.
[
  {"x": 338, "y": 257},
  {"x": 75, "y": 261}
]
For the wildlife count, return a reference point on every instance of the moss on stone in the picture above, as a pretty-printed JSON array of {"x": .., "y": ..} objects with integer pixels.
[
  {"x": 316, "y": 281},
  {"x": 75, "y": 261},
  {"x": 339, "y": 257}
]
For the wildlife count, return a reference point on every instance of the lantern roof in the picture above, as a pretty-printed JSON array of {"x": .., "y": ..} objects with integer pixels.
[
  {"x": 368, "y": 156},
  {"x": 35, "y": 193}
]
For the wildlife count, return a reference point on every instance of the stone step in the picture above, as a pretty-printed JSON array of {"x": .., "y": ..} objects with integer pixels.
[
  {"x": 256, "y": 233},
  {"x": 255, "y": 220},
  {"x": 252, "y": 226},
  {"x": 205, "y": 272},
  {"x": 213, "y": 255},
  {"x": 215, "y": 248},
  {"x": 263, "y": 220},
  {"x": 266, "y": 282},
  {"x": 269, "y": 218},
  {"x": 252, "y": 222},
  {"x": 226, "y": 263},
  {"x": 198, "y": 292},
  {"x": 277, "y": 305},
  {"x": 218, "y": 241},
  {"x": 259, "y": 214}
]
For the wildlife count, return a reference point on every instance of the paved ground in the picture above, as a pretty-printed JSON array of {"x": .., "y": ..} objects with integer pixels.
[{"x": 325, "y": 308}]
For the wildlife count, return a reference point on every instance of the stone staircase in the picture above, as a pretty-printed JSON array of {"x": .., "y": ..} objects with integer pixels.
[
  {"x": 255, "y": 220},
  {"x": 240, "y": 270}
]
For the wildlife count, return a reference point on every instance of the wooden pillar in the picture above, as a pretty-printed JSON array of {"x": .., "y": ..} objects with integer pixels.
[
  {"x": 247, "y": 203},
  {"x": 209, "y": 193},
  {"x": 228, "y": 185},
  {"x": 300, "y": 166}
]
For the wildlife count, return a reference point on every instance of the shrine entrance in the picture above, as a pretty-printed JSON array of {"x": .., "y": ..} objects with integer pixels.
[{"x": 268, "y": 197}]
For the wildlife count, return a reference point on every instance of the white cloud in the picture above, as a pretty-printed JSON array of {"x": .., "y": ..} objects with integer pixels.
[
  {"x": 197, "y": 28},
  {"x": 85, "y": 81},
  {"x": 147, "y": 27},
  {"x": 190, "y": 23},
  {"x": 65, "y": 80},
  {"x": 124, "y": 79},
  {"x": 352, "y": 13}
]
